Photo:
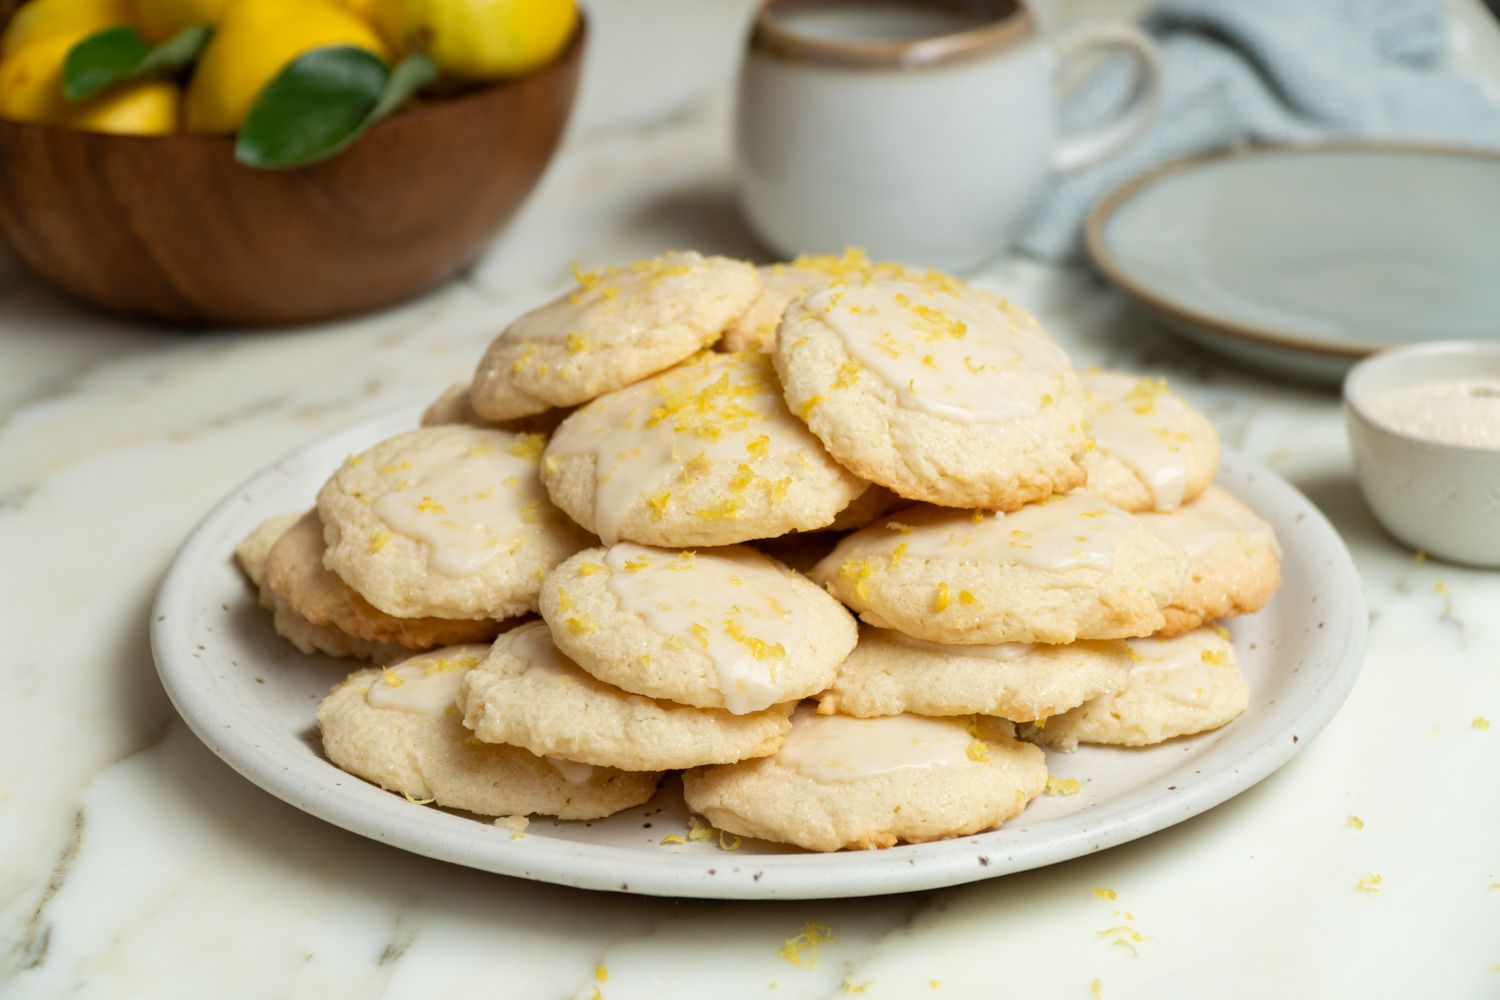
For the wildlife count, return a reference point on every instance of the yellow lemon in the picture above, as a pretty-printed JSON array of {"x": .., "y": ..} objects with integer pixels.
[
  {"x": 481, "y": 39},
  {"x": 43, "y": 19},
  {"x": 254, "y": 42},
  {"x": 31, "y": 91},
  {"x": 31, "y": 80},
  {"x": 146, "y": 107},
  {"x": 159, "y": 20}
]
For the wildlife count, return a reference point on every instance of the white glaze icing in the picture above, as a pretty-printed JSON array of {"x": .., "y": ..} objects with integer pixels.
[
  {"x": 1131, "y": 419},
  {"x": 1212, "y": 519},
  {"x": 720, "y": 409},
  {"x": 532, "y": 644},
  {"x": 605, "y": 293},
  {"x": 426, "y": 683},
  {"x": 1460, "y": 411},
  {"x": 737, "y": 606},
  {"x": 572, "y": 772},
  {"x": 1002, "y": 651},
  {"x": 1059, "y": 534},
  {"x": 1188, "y": 666},
  {"x": 955, "y": 352},
  {"x": 469, "y": 496},
  {"x": 843, "y": 748}
]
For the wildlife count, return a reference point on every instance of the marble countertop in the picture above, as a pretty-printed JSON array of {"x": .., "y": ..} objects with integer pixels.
[{"x": 135, "y": 863}]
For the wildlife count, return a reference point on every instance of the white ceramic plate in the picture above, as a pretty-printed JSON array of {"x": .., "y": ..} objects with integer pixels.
[
  {"x": 1305, "y": 259},
  {"x": 251, "y": 698}
]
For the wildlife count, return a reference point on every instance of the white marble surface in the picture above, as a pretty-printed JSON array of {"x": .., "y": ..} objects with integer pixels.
[{"x": 134, "y": 863}]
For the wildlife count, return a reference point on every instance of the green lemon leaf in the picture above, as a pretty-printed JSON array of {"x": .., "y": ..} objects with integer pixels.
[
  {"x": 115, "y": 55},
  {"x": 321, "y": 102},
  {"x": 176, "y": 53},
  {"x": 101, "y": 59}
]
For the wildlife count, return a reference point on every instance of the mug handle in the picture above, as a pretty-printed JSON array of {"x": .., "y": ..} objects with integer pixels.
[{"x": 1074, "y": 151}]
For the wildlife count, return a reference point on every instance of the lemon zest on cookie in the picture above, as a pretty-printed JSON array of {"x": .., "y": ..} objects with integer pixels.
[
  {"x": 580, "y": 624},
  {"x": 757, "y": 448},
  {"x": 1130, "y": 651},
  {"x": 848, "y": 373},
  {"x": 967, "y": 597},
  {"x": 523, "y": 361},
  {"x": 527, "y": 445},
  {"x": 898, "y": 527},
  {"x": 743, "y": 477},
  {"x": 725, "y": 510},
  {"x": 589, "y": 568},
  {"x": 978, "y": 750},
  {"x": 696, "y": 466},
  {"x": 564, "y": 602},
  {"x": 378, "y": 539},
  {"x": 577, "y": 344},
  {"x": 810, "y": 405},
  {"x": 897, "y": 553},
  {"x": 390, "y": 678},
  {"x": 859, "y": 571},
  {"x": 1217, "y": 657},
  {"x": 658, "y": 502},
  {"x": 700, "y": 632},
  {"x": 942, "y": 598},
  {"x": 637, "y": 564},
  {"x": 431, "y": 506},
  {"x": 759, "y": 648}
]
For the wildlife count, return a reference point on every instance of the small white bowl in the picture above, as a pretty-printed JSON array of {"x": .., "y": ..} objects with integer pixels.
[{"x": 1441, "y": 498}]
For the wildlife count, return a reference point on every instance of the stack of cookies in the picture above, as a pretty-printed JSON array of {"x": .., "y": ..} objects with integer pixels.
[{"x": 1034, "y": 556}]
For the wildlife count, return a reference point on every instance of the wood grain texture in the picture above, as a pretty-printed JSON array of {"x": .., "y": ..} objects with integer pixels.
[{"x": 172, "y": 228}]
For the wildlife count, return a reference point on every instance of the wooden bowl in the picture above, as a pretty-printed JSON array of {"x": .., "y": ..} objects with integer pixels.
[{"x": 172, "y": 228}]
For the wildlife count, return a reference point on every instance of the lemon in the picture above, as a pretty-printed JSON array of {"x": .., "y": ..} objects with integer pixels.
[
  {"x": 146, "y": 107},
  {"x": 43, "y": 19},
  {"x": 159, "y": 20},
  {"x": 480, "y": 39},
  {"x": 31, "y": 91},
  {"x": 254, "y": 42}
]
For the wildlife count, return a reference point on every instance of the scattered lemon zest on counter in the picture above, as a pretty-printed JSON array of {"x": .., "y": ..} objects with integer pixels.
[
  {"x": 1063, "y": 787},
  {"x": 1096, "y": 989},
  {"x": 804, "y": 948},
  {"x": 672, "y": 838},
  {"x": 850, "y": 986},
  {"x": 1440, "y": 588},
  {"x": 1354, "y": 822},
  {"x": 933, "y": 984},
  {"x": 1124, "y": 936},
  {"x": 1103, "y": 893},
  {"x": 1480, "y": 722},
  {"x": 1369, "y": 885},
  {"x": 601, "y": 973},
  {"x": 416, "y": 801}
]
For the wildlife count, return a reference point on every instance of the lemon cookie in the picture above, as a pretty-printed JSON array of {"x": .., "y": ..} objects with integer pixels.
[
  {"x": 889, "y": 674},
  {"x": 1152, "y": 451},
  {"x": 842, "y": 782},
  {"x": 253, "y": 553},
  {"x": 528, "y": 694},
  {"x": 781, "y": 283},
  {"x": 936, "y": 390},
  {"x": 1068, "y": 568},
  {"x": 728, "y": 628},
  {"x": 447, "y": 522},
  {"x": 455, "y": 407},
  {"x": 705, "y": 454},
  {"x": 295, "y": 573},
  {"x": 1188, "y": 684},
  {"x": 1233, "y": 559},
  {"x": 617, "y": 327},
  {"x": 399, "y": 728}
]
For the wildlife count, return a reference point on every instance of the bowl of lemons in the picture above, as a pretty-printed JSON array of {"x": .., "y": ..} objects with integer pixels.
[{"x": 270, "y": 162}]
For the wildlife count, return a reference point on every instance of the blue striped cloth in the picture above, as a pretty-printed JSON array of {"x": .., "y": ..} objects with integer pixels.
[{"x": 1241, "y": 71}]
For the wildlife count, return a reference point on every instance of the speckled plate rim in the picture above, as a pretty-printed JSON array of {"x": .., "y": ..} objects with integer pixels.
[
  {"x": 1152, "y": 299},
  {"x": 1328, "y": 637}
]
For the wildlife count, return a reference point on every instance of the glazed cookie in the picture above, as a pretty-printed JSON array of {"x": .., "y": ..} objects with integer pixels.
[
  {"x": 936, "y": 390},
  {"x": 252, "y": 555},
  {"x": 295, "y": 573},
  {"x": 873, "y": 503},
  {"x": 448, "y": 522},
  {"x": 1152, "y": 451},
  {"x": 781, "y": 283},
  {"x": 617, "y": 327},
  {"x": 842, "y": 782},
  {"x": 455, "y": 407},
  {"x": 1233, "y": 560},
  {"x": 1068, "y": 568},
  {"x": 729, "y": 628},
  {"x": 399, "y": 728},
  {"x": 889, "y": 674},
  {"x": 528, "y": 694},
  {"x": 706, "y": 454},
  {"x": 1177, "y": 687}
]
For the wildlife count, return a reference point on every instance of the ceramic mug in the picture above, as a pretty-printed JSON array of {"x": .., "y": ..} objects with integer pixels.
[{"x": 923, "y": 132}]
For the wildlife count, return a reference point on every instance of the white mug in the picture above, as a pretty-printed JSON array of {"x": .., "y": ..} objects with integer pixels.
[{"x": 922, "y": 131}]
